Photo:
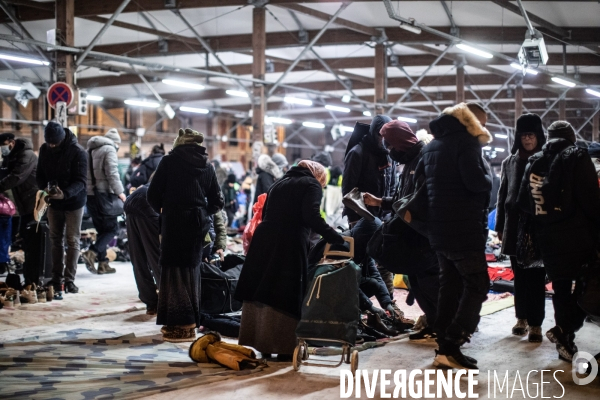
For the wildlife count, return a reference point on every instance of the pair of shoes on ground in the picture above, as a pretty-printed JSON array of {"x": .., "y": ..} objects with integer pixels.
[
  {"x": 69, "y": 287},
  {"x": 565, "y": 344},
  {"x": 179, "y": 333},
  {"x": 90, "y": 257},
  {"x": 521, "y": 328}
]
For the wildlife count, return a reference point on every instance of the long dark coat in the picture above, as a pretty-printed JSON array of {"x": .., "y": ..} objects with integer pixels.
[
  {"x": 185, "y": 192},
  {"x": 21, "y": 166},
  {"x": 275, "y": 271},
  {"x": 458, "y": 180}
]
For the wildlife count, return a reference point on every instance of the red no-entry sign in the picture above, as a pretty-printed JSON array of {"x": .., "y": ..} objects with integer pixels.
[{"x": 60, "y": 91}]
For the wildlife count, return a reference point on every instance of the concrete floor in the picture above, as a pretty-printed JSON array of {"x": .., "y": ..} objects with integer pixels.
[{"x": 493, "y": 346}]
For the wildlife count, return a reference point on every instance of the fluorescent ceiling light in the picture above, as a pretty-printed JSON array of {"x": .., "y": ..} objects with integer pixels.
[
  {"x": 294, "y": 100},
  {"x": 593, "y": 92},
  {"x": 187, "y": 85},
  {"x": 10, "y": 87},
  {"x": 344, "y": 128},
  {"x": 410, "y": 28},
  {"x": 367, "y": 113},
  {"x": 527, "y": 70},
  {"x": 336, "y": 108},
  {"x": 473, "y": 50},
  {"x": 142, "y": 103},
  {"x": 346, "y": 98},
  {"x": 91, "y": 97},
  {"x": 315, "y": 125},
  {"x": 224, "y": 138},
  {"x": 194, "y": 110},
  {"x": 563, "y": 82},
  {"x": 277, "y": 120},
  {"x": 500, "y": 136},
  {"x": 499, "y": 149},
  {"x": 409, "y": 120},
  {"x": 486, "y": 148},
  {"x": 237, "y": 93},
  {"x": 23, "y": 59}
]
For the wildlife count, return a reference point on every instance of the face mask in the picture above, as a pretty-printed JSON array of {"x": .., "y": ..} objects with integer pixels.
[
  {"x": 5, "y": 150},
  {"x": 397, "y": 156}
]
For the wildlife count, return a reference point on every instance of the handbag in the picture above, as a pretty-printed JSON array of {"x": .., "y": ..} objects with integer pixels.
[
  {"x": 412, "y": 208},
  {"x": 528, "y": 253},
  {"x": 354, "y": 201},
  {"x": 108, "y": 204},
  {"x": 7, "y": 207}
]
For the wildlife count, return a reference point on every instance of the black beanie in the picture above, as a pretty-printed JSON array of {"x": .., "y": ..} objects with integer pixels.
[
  {"x": 525, "y": 124},
  {"x": 231, "y": 178},
  {"x": 323, "y": 158},
  {"x": 6, "y": 136},
  {"x": 562, "y": 130},
  {"x": 54, "y": 133}
]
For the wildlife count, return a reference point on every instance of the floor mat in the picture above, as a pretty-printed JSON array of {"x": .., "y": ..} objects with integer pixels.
[
  {"x": 77, "y": 368},
  {"x": 493, "y": 306}
]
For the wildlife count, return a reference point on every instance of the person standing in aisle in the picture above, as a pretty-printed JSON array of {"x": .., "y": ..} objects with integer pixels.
[
  {"x": 62, "y": 171},
  {"x": 513, "y": 225},
  {"x": 103, "y": 160}
]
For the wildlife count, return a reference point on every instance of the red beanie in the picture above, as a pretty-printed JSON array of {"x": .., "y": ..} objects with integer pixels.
[{"x": 398, "y": 135}]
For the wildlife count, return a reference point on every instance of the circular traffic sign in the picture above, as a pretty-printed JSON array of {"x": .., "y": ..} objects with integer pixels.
[{"x": 60, "y": 91}]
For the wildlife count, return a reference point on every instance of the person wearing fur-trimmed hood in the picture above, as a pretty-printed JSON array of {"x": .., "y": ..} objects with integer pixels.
[
  {"x": 185, "y": 192},
  {"x": 458, "y": 187},
  {"x": 268, "y": 172}
]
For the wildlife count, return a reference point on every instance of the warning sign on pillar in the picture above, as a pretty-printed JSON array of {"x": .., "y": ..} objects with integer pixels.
[
  {"x": 61, "y": 113},
  {"x": 60, "y": 92}
]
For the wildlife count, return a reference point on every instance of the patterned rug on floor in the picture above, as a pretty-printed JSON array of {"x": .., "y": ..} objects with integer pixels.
[{"x": 69, "y": 366}]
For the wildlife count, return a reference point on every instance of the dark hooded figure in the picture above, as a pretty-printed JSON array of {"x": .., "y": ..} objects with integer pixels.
[
  {"x": 368, "y": 167},
  {"x": 185, "y": 192},
  {"x": 142, "y": 175},
  {"x": 512, "y": 225}
]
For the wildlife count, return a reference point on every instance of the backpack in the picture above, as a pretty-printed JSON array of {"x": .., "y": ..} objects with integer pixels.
[
  {"x": 549, "y": 182},
  {"x": 217, "y": 285}
]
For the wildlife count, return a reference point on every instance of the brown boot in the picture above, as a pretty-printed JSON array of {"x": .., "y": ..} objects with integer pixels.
[{"x": 104, "y": 268}]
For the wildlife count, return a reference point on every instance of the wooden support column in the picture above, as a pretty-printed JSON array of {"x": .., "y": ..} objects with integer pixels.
[
  {"x": 259, "y": 44},
  {"x": 37, "y": 114},
  {"x": 518, "y": 101},
  {"x": 380, "y": 94},
  {"x": 460, "y": 84},
  {"x": 595, "y": 126},
  {"x": 65, "y": 24},
  {"x": 562, "y": 110}
]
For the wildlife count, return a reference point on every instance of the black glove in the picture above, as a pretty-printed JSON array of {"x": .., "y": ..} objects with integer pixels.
[{"x": 379, "y": 311}]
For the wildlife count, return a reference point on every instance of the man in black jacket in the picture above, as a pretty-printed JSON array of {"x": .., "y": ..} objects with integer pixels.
[
  {"x": 62, "y": 170},
  {"x": 19, "y": 167},
  {"x": 458, "y": 183},
  {"x": 560, "y": 191}
]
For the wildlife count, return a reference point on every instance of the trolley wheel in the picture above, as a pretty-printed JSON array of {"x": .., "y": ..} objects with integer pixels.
[
  {"x": 304, "y": 351},
  {"x": 296, "y": 358},
  {"x": 354, "y": 362}
]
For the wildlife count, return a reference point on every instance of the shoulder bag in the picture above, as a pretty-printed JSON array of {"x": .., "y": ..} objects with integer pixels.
[{"x": 108, "y": 204}]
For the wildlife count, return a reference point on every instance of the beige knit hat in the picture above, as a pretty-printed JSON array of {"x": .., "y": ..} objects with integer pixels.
[{"x": 188, "y": 136}]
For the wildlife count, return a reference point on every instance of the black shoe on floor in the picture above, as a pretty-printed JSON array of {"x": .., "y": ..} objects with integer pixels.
[
  {"x": 455, "y": 360},
  {"x": 423, "y": 335},
  {"x": 71, "y": 288},
  {"x": 564, "y": 343}
]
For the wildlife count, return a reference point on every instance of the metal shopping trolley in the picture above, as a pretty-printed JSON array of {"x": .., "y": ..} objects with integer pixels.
[{"x": 330, "y": 311}]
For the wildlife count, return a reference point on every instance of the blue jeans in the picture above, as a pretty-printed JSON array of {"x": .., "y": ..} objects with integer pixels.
[
  {"x": 64, "y": 225},
  {"x": 5, "y": 237}
]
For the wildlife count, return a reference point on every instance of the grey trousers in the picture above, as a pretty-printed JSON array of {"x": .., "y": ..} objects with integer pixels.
[
  {"x": 64, "y": 225},
  {"x": 144, "y": 249}
]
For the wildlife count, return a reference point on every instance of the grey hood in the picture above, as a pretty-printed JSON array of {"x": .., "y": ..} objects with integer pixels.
[{"x": 99, "y": 141}]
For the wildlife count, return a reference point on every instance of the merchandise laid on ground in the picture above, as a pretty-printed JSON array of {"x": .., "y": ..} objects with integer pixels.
[{"x": 311, "y": 199}]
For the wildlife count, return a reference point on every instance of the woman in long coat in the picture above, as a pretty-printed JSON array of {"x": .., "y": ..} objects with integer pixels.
[
  {"x": 274, "y": 277},
  {"x": 511, "y": 225},
  {"x": 185, "y": 192}
]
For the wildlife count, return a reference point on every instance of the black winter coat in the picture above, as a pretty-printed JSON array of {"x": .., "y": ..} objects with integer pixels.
[
  {"x": 363, "y": 169},
  {"x": 21, "y": 166},
  {"x": 264, "y": 181},
  {"x": 507, "y": 214},
  {"x": 406, "y": 185},
  {"x": 185, "y": 192},
  {"x": 142, "y": 175},
  {"x": 137, "y": 204},
  {"x": 67, "y": 165},
  {"x": 275, "y": 271},
  {"x": 568, "y": 244},
  {"x": 458, "y": 181}
]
